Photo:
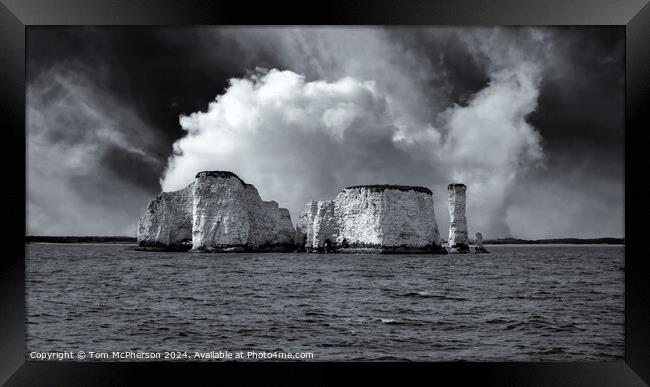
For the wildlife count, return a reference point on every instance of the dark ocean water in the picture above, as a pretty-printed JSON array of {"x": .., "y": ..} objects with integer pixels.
[{"x": 530, "y": 303}]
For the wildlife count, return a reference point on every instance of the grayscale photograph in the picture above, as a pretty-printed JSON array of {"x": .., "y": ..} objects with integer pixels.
[{"x": 325, "y": 193}]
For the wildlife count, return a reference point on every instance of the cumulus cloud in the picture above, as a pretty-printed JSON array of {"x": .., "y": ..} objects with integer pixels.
[
  {"x": 291, "y": 138},
  {"x": 416, "y": 86}
]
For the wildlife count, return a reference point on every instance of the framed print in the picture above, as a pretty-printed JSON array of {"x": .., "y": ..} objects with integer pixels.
[{"x": 416, "y": 188}]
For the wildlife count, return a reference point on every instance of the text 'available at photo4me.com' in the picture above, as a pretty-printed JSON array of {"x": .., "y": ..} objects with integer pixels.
[{"x": 169, "y": 355}]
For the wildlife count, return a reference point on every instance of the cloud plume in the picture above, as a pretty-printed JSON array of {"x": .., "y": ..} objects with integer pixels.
[{"x": 76, "y": 132}]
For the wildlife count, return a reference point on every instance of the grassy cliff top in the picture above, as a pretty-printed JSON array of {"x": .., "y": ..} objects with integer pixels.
[
  {"x": 383, "y": 187},
  {"x": 224, "y": 174}
]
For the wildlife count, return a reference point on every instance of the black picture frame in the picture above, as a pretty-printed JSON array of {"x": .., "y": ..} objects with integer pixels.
[{"x": 16, "y": 15}]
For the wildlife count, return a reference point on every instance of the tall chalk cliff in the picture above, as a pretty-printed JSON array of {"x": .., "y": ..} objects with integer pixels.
[
  {"x": 458, "y": 238},
  {"x": 217, "y": 212},
  {"x": 372, "y": 218}
]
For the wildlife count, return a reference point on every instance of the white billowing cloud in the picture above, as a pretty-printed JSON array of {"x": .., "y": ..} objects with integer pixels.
[
  {"x": 362, "y": 53},
  {"x": 73, "y": 129},
  {"x": 299, "y": 140},
  {"x": 291, "y": 138}
]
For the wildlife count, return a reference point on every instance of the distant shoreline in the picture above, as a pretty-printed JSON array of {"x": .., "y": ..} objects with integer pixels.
[
  {"x": 502, "y": 241},
  {"x": 563, "y": 241},
  {"x": 80, "y": 239}
]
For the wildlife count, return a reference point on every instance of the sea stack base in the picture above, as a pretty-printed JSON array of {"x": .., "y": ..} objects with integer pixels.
[
  {"x": 458, "y": 249},
  {"x": 380, "y": 250}
]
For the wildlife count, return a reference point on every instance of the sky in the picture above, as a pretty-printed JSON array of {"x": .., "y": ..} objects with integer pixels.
[{"x": 531, "y": 119}]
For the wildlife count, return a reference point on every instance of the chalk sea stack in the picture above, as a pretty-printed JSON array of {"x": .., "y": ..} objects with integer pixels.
[
  {"x": 217, "y": 212},
  {"x": 479, "y": 244},
  {"x": 371, "y": 219},
  {"x": 458, "y": 239}
]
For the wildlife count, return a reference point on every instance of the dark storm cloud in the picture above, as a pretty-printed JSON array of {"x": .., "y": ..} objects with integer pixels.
[
  {"x": 135, "y": 82},
  {"x": 75, "y": 131},
  {"x": 582, "y": 100}
]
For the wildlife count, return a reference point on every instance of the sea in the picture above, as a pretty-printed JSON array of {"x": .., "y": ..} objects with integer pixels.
[{"x": 518, "y": 303}]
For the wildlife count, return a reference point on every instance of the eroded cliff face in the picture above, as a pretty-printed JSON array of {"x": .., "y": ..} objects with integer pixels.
[
  {"x": 167, "y": 222},
  {"x": 458, "y": 238},
  {"x": 218, "y": 212},
  {"x": 371, "y": 219}
]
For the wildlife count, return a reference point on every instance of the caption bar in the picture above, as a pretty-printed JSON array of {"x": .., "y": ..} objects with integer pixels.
[{"x": 171, "y": 355}]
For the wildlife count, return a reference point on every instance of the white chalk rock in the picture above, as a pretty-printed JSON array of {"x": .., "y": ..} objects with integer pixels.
[
  {"x": 479, "y": 243},
  {"x": 167, "y": 222},
  {"x": 371, "y": 219},
  {"x": 221, "y": 212},
  {"x": 458, "y": 238}
]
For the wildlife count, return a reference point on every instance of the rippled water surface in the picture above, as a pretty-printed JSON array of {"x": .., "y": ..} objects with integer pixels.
[{"x": 547, "y": 302}]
